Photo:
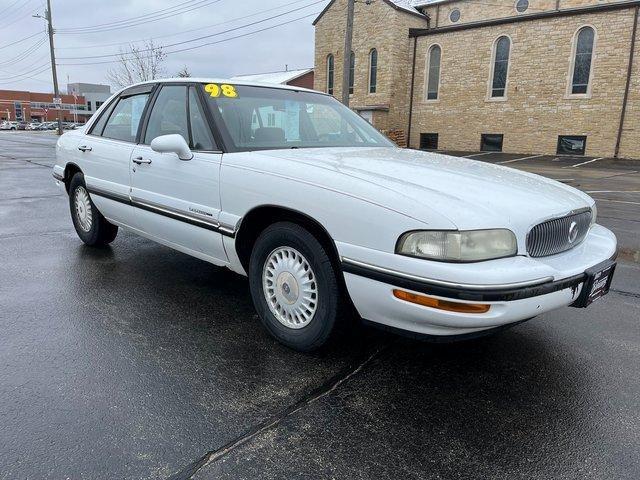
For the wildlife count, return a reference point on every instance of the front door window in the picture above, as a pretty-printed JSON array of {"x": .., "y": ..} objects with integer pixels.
[{"x": 169, "y": 114}]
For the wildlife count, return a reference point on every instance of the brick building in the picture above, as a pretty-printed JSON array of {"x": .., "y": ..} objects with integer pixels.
[
  {"x": 39, "y": 107},
  {"x": 538, "y": 76}
]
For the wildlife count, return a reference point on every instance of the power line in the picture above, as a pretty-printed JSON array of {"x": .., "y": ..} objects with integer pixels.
[
  {"x": 35, "y": 62},
  {"x": 131, "y": 19},
  {"x": 198, "y": 38},
  {"x": 33, "y": 79},
  {"x": 9, "y": 7},
  {"x": 17, "y": 19},
  {"x": 24, "y": 54},
  {"x": 21, "y": 40},
  {"x": 141, "y": 22},
  {"x": 183, "y": 31},
  {"x": 3, "y": 82},
  {"x": 204, "y": 44},
  {"x": 43, "y": 67}
]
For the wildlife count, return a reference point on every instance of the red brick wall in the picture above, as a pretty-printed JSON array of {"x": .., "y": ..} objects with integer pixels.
[
  {"x": 304, "y": 81},
  {"x": 9, "y": 97}
]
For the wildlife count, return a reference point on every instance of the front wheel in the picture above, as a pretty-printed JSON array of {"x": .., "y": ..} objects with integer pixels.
[
  {"x": 92, "y": 228},
  {"x": 294, "y": 286}
]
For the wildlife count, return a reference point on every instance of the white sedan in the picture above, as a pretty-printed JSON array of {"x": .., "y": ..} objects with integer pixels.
[{"x": 320, "y": 211}]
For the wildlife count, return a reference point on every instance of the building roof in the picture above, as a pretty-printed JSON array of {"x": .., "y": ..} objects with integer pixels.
[
  {"x": 408, "y": 6},
  {"x": 281, "y": 78},
  {"x": 603, "y": 7},
  {"x": 425, "y": 3},
  {"x": 405, "y": 5}
]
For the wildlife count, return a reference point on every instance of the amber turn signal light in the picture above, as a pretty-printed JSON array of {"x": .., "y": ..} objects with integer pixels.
[{"x": 441, "y": 304}]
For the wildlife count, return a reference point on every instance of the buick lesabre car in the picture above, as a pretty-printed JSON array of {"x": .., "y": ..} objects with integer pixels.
[{"x": 321, "y": 212}]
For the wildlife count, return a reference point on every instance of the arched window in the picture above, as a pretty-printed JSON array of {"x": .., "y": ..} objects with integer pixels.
[
  {"x": 373, "y": 70},
  {"x": 502, "y": 48},
  {"x": 330, "y": 70},
  {"x": 352, "y": 71},
  {"x": 582, "y": 60},
  {"x": 433, "y": 72}
]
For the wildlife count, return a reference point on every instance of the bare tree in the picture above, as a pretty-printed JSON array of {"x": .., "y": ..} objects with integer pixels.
[
  {"x": 137, "y": 64},
  {"x": 184, "y": 73}
]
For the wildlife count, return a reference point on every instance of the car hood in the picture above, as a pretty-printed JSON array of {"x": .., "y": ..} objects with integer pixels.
[{"x": 469, "y": 193}]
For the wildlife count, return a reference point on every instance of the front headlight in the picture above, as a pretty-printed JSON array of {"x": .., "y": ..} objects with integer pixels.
[{"x": 456, "y": 246}]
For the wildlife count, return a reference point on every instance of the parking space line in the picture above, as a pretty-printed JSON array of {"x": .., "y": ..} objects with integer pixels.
[
  {"x": 520, "y": 159},
  {"x": 612, "y": 191},
  {"x": 584, "y": 163},
  {"x": 616, "y": 201},
  {"x": 479, "y": 154}
]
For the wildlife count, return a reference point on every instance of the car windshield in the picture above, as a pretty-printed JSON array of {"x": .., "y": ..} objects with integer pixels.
[{"x": 260, "y": 118}]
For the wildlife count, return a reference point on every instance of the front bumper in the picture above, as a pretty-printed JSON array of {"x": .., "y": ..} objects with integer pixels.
[{"x": 517, "y": 288}]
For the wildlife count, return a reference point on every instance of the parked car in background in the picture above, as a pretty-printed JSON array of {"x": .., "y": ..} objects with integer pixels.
[
  {"x": 48, "y": 126},
  {"x": 8, "y": 125},
  {"x": 33, "y": 125},
  {"x": 296, "y": 191}
]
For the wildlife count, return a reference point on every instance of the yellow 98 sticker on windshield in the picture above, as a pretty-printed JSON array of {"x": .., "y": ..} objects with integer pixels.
[{"x": 226, "y": 90}]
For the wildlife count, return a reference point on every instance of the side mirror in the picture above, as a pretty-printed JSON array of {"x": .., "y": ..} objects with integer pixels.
[{"x": 172, "y": 144}]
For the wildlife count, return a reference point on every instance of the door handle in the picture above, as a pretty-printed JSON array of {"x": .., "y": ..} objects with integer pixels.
[
  {"x": 140, "y": 160},
  {"x": 84, "y": 148}
]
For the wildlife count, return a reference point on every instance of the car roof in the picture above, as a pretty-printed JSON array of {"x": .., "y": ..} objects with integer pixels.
[{"x": 224, "y": 80}]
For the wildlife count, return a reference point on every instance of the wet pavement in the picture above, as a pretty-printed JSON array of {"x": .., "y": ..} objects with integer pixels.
[{"x": 137, "y": 361}]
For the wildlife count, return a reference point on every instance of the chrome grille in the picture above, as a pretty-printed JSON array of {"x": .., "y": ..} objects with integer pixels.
[{"x": 554, "y": 236}]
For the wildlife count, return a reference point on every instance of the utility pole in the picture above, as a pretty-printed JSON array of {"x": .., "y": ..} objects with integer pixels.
[
  {"x": 346, "y": 64},
  {"x": 56, "y": 91}
]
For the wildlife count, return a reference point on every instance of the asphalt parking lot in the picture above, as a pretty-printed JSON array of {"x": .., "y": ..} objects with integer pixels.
[{"x": 137, "y": 362}]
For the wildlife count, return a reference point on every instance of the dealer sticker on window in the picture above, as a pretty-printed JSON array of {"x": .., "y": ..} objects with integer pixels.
[{"x": 226, "y": 90}]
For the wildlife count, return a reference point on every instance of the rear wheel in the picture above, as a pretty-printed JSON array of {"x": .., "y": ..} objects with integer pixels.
[
  {"x": 294, "y": 286},
  {"x": 92, "y": 228}
]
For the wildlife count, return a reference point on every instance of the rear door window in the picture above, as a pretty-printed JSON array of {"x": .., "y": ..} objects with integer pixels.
[
  {"x": 125, "y": 118},
  {"x": 98, "y": 126}
]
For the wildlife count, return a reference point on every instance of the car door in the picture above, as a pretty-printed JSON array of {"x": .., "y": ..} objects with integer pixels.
[
  {"x": 178, "y": 201},
  {"x": 104, "y": 154}
]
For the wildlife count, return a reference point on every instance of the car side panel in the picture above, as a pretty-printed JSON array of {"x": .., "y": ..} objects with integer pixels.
[
  {"x": 105, "y": 168},
  {"x": 189, "y": 188},
  {"x": 348, "y": 218}
]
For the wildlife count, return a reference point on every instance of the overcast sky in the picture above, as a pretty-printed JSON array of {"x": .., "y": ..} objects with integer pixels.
[{"x": 23, "y": 66}]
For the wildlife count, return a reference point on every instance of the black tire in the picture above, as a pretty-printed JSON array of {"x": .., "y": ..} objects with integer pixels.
[
  {"x": 329, "y": 296},
  {"x": 99, "y": 232}
]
